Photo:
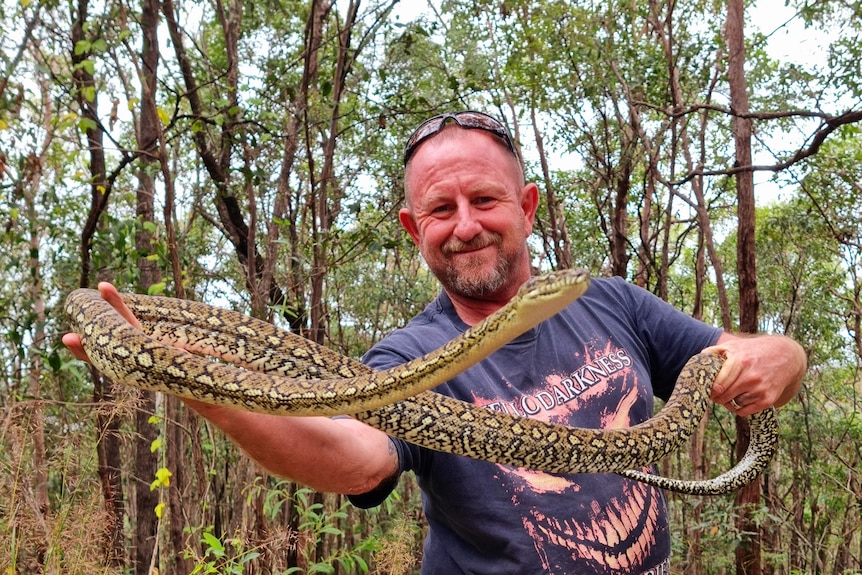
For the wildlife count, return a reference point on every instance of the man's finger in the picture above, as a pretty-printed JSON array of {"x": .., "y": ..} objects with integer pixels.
[
  {"x": 113, "y": 297},
  {"x": 73, "y": 342}
]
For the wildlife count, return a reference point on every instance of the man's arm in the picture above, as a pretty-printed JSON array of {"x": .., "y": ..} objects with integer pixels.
[
  {"x": 760, "y": 371},
  {"x": 335, "y": 455}
]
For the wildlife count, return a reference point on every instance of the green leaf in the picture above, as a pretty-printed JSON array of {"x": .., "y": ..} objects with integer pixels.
[
  {"x": 54, "y": 361},
  {"x": 82, "y": 47},
  {"x": 85, "y": 124},
  {"x": 213, "y": 542},
  {"x": 87, "y": 65}
]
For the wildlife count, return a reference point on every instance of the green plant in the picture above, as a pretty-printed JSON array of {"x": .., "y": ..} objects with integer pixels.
[{"x": 221, "y": 557}]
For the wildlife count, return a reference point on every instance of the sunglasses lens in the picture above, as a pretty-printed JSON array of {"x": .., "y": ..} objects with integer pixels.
[
  {"x": 468, "y": 120},
  {"x": 427, "y": 129}
]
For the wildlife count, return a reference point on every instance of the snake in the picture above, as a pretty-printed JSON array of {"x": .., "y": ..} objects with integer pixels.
[{"x": 197, "y": 351}]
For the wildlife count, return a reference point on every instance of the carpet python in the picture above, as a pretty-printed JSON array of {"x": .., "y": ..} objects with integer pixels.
[{"x": 234, "y": 360}]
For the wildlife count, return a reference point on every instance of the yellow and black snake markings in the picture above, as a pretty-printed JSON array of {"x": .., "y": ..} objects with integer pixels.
[{"x": 279, "y": 372}]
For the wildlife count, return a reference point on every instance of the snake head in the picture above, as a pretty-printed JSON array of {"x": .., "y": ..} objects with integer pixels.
[
  {"x": 565, "y": 285},
  {"x": 542, "y": 297}
]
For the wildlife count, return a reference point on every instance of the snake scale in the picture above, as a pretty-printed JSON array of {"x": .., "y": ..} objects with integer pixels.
[{"x": 265, "y": 369}]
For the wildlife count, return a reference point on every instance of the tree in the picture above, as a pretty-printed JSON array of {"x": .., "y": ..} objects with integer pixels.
[{"x": 263, "y": 143}]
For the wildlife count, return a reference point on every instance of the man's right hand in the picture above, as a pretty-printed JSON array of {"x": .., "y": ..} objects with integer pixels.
[{"x": 113, "y": 297}]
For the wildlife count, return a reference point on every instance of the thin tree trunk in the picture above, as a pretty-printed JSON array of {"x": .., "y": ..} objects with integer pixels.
[
  {"x": 39, "y": 479},
  {"x": 176, "y": 416},
  {"x": 748, "y": 553},
  {"x": 620, "y": 216},
  {"x": 557, "y": 235},
  {"x": 146, "y": 460},
  {"x": 107, "y": 425},
  {"x": 699, "y": 463},
  {"x": 319, "y": 186}
]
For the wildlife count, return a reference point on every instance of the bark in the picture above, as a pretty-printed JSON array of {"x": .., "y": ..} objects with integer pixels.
[
  {"x": 99, "y": 188},
  {"x": 748, "y": 553},
  {"x": 557, "y": 235},
  {"x": 176, "y": 416},
  {"x": 107, "y": 424},
  {"x": 215, "y": 150},
  {"x": 176, "y": 419},
  {"x": 39, "y": 479},
  {"x": 146, "y": 460},
  {"x": 697, "y": 443},
  {"x": 619, "y": 219},
  {"x": 320, "y": 189}
]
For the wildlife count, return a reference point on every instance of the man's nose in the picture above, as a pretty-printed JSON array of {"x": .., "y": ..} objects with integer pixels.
[{"x": 467, "y": 225}]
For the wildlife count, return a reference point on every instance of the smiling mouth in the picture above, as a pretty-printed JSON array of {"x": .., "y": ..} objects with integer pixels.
[
  {"x": 469, "y": 251},
  {"x": 461, "y": 248},
  {"x": 455, "y": 246}
]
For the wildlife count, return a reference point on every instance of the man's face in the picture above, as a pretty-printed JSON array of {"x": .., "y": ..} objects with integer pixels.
[{"x": 470, "y": 213}]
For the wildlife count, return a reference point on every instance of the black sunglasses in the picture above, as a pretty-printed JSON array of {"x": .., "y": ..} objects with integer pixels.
[{"x": 468, "y": 119}]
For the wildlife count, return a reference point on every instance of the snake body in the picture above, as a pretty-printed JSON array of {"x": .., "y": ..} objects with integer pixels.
[{"x": 272, "y": 371}]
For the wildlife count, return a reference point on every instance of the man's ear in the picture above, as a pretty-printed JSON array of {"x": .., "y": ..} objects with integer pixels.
[
  {"x": 530, "y": 203},
  {"x": 409, "y": 224}
]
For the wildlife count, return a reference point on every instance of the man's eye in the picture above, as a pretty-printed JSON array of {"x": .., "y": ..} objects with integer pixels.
[{"x": 440, "y": 209}]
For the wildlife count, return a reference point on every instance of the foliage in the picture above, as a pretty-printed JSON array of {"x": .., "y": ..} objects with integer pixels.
[{"x": 281, "y": 126}]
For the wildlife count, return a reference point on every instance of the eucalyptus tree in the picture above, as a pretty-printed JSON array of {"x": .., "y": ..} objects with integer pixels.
[
  {"x": 647, "y": 100},
  {"x": 808, "y": 292},
  {"x": 39, "y": 167},
  {"x": 269, "y": 135}
]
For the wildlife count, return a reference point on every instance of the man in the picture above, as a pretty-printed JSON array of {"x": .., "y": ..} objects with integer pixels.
[{"x": 596, "y": 364}]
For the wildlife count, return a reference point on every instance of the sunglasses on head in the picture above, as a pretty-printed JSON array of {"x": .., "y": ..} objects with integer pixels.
[{"x": 469, "y": 120}]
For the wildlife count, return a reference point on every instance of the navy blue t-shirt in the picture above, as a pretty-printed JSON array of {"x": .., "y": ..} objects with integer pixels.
[{"x": 596, "y": 364}]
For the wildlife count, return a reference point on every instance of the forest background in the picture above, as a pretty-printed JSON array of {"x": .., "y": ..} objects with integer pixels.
[{"x": 247, "y": 153}]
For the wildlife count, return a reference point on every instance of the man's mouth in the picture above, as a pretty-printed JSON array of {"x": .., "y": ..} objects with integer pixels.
[
  {"x": 469, "y": 250},
  {"x": 455, "y": 247}
]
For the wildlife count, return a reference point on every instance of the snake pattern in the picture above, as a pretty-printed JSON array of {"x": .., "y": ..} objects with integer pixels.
[{"x": 264, "y": 369}]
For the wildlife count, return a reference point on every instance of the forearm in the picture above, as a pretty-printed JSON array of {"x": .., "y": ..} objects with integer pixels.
[
  {"x": 332, "y": 455},
  {"x": 342, "y": 456}
]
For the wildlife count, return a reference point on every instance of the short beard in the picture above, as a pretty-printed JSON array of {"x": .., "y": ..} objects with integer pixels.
[{"x": 471, "y": 286}]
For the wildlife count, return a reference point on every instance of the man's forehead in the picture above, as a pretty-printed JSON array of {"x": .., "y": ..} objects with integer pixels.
[
  {"x": 453, "y": 134},
  {"x": 456, "y": 151}
]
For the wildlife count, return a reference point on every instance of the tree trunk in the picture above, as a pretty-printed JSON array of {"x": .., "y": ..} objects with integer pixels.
[
  {"x": 557, "y": 235},
  {"x": 107, "y": 424},
  {"x": 35, "y": 354},
  {"x": 146, "y": 460},
  {"x": 320, "y": 184},
  {"x": 748, "y": 554}
]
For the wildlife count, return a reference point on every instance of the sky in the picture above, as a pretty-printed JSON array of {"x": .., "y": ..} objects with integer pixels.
[{"x": 788, "y": 41}]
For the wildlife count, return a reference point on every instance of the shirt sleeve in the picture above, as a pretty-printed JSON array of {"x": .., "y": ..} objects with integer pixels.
[{"x": 671, "y": 336}]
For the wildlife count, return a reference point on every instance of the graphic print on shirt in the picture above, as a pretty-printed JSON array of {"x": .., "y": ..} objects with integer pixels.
[{"x": 616, "y": 527}]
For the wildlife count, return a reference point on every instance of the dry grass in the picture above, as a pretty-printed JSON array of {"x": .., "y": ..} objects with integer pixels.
[
  {"x": 397, "y": 554},
  {"x": 68, "y": 537}
]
